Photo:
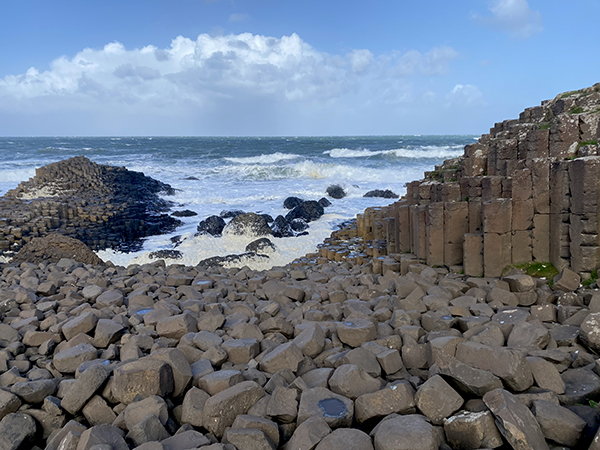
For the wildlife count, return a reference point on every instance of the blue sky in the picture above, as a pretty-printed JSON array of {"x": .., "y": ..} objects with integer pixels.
[{"x": 273, "y": 67}]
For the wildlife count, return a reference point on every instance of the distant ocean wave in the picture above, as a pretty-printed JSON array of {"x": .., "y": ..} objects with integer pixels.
[
  {"x": 264, "y": 159},
  {"x": 426, "y": 151}
]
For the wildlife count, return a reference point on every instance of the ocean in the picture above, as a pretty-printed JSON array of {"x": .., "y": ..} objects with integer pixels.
[{"x": 253, "y": 174}]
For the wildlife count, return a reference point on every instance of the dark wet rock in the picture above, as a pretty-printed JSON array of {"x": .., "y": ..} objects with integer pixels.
[
  {"x": 250, "y": 224},
  {"x": 220, "y": 261},
  {"x": 281, "y": 227},
  {"x": 165, "y": 254},
  {"x": 324, "y": 202},
  {"x": 54, "y": 247},
  {"x": 308, "y": 211},
  {"x": 299, "y": 225},
  {"x": 336, "y": 191},
  {"x": 292, "y": 202},
  {"x": 191, "y": 178},
  {"x": 261, "y": 245},
  {"x": 17, "y": 430},
  {"x": 212, "y": 225},
  {"x": 102, "y": 206},
  {"x": 381, "y": 193},
  {"x": 229, "y": 214},
  {"x": 184, "y": 213}
]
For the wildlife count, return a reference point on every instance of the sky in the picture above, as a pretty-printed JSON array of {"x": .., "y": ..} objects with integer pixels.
[{"x": 287, "y": 68}]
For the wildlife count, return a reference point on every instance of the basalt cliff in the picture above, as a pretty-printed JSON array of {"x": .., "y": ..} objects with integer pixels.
[{"x": 527, "y": 191}]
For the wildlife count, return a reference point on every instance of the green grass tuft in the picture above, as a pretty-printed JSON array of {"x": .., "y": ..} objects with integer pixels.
[
  {"x": 538, "y": 269},
  {"x": 576, "y": 110},
  {"x": 592, "y": 142},
  {"x": 591, "y": 280},
  {"x": 545, "y": 126}
]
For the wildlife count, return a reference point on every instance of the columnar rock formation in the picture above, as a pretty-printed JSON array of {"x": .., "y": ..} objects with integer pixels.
[
  {"x": 527, "y": 191},
  {"x": 103, "y": 206}
]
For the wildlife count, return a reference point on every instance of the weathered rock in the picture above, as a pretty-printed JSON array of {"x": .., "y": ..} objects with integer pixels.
[
  {"x": 308, "y": 434},
  {"x": 193, "y": 407},
  {"x": 292, "y": 202},
  {"x": 141, "y": 379},
  {"x": 284, "y": 356},
  {"x": 515, "y": 421},
  {"x": 351, "y": 381},
  {"x": 147, "y": 430},
  {"x": 212, "y": 225},
  {"x": 558, "y": 423},
  {"x": 346, "y": 439},
  {"x": 102, "y": 435},
  {"x": 180, "y": 368},
  {"x": 84, "y": 387},
  {"x": 335, "y": 409},
  {"x": 175, "y": 327},
  {"x": 16, "y": 431},
  {"x": 437, "y": 400},
  {"x": 566, "y": 281},
  {"x": 261, "y": 245},
  {"x": 410, "y": 432},
  {"x": 283, "y": 405},
  {"x": 336, "y": 191},
  {"x": 311, "y": 340},
  {"x": 68, "y": 360},
  {"x": 54, "y": 247},
  {"x": 34, "y": 391},
  {"x": 221, "y": 409},
  {"x": 308, "y": 211},
  {"x": 381, "y": 193},
  {"x": 356, "y": 332},
  {"x": 9, "y": 403},
  {"x": 398, "y": 398},
  {"x": 189, "y": 439},
  {"x": 248, "y": 438},
  {"x": 472, "y": 430}
]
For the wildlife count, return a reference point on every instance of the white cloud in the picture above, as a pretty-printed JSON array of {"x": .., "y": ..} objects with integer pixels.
[
  {"x": 464, "y": 95},
  {"x": 217, "y": 84},
  {"x": 237, "y": 17},
  {"x": 514, "y": 17}
]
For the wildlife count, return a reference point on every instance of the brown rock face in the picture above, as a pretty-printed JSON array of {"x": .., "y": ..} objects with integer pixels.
[
  {"x": 526, "y": 191},
  {"x": 53, "y": 248}
]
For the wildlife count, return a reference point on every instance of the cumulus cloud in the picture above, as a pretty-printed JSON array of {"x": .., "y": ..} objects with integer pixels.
[
  {"x": 514, "y": 17},
  {"x": 464, "y": 95},
  {"x": 214, "y": 84}
]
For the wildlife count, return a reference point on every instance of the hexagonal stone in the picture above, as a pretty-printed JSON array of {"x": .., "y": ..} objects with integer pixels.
[
  {"x": 248, "y": 438},
  {"x": 16, "y": 431},
  {"x": 546, "y": 375},
  {"x": 472, "y": 430},
  {"x": 352, "y": 381},
  {"x": 175, "y": 327},
  {"x": 83, "y": 323},
  {"x": 9, "y": 403},
  {"x": 221, "y": 409},
  {"x": 558, "y": 423},
  {"x": 265, "y": 425},
  {"x": 411, "y": 432},
  {"x": 346, "y": 439},
  {"x": 180, "y": 368},
  {"x": 241, "y": 351},
  {"x": 34, "y": 391},
  {"x": 83, "y": 388},
  {"x": 218, "y": 381},
  {"x": 355, "y": 332},
  {"x": 336, "y": 410},
  {"x": 311, "y": 341},
  {"x": 398, "y": 398},
  {"x": 193, "y": 406},
  {"x": 284, "y": 356},
  {"x": 136, "y": 411},
  {"x": 308, "y": 434},
  {"x": 515, "y": 421},
  {"x": 437, "y": 400},
  {"x": 144, "y": 378},
  {"x": 189, "y": 439},
  {"x": 68, "y": 360},
  {"x": 283, "y": 405}
]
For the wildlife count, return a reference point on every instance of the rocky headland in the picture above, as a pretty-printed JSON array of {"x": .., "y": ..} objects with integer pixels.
[
  {"x": 374, "y": 342},
  {"x": 102, "y": 206}
]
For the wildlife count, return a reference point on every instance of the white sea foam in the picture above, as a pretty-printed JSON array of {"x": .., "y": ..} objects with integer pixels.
[
  {"x": 264, "y": 159},
  {"x": 426, "y": 151}
]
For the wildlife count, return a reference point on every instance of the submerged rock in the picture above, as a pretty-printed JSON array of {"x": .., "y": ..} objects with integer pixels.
[
  {"x": 381, "y": 193},
  {"x": 292, "y": 202},
  {"x": 308, "y": 211},
  {"x": 250, "y": 224},
  {"x": 165, "y": 254},
  {"x": 260, "y": 246},
  {"x": 220, "y": 261},
  {"x": 184, "y": 213}
]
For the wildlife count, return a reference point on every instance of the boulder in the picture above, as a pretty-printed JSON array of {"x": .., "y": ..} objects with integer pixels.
[
  {"x": 17, "y": 430},
  {"x": 324, "y": 202},
  {"x": 248, "y": 224},
  {"x": 229, "y": 214},
  {"x": 281, "y": 227},
  {"x": 308, "y": 211},
  {"x": 336, "y": 191},
  {"x": 184, "y": 213},
  {"x": 292, "y": 202},
  {"x": 53, "y": 247},
  {"x": 261, "y": 245},
  {"x": 212, "y": 225},
  {"x": 410, "y": 432},
  {"x": 381, "y": 193},
  {"x": 346, "y": 439}
]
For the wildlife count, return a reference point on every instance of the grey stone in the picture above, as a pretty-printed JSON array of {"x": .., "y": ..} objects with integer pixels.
[
  {"x": 352, "y": 381},
  {"x": 284, "y": 356},
  {"x": 283, "y": 405},
  {"x": 83, "y": 323},
  {"x": 308, "y": 434},
  {"x": 9, "y": 403},
  {"x": 558, "y": 423},
  {"x": 83, "y": 388},
  {"x": 265, "y": 425},
  {"x": 467, "y": 379},
  {"x": 410, "y": 432},
  {"x": 193, "y": 407},
  {"x": 34, "y": 391},
  {"x": 189, "y": 439},
  {"x": 102, "y": 434},
  {"x": 346, "y": 439},
  {"x": 144, "y": 378},
  {"x": 311, "y": 340},
  {"x": 180, "y": 368},
  {"x": 221, "y": 409},
  {"x": 16, "y": 431},
  {"x": 248, "y": 439},
  {"x": 68, "y": 360},
  {"x": 546, "y": 374},
  {"x": 398, "y": 398},
  {"x": 472, "y": 430},
  {"x": 146, "y": 430},
  {"x": 515, "y": 421},
  {"x": 241, "y": 351},
  {"x": 136, "y": 411},
  {"x": 97, "y": 412},
  {"x": 218, "y": 381},
  {"x": 338, "y": 411},
  {"x": 437, "y": 400},
  {"x": 357, "y": 331}
]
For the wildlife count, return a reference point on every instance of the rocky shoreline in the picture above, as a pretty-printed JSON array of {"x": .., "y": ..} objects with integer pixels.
[{"x": 357, "y": 346}]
